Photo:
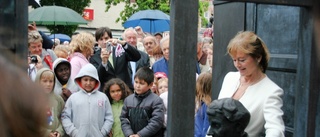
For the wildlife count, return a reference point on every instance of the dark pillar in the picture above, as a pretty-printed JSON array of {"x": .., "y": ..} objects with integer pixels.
[
  {"x": 279, "y": 2},
  {"x": 233, "y": 22},
  {"x": 287, "y": 28},
  {"x": 13, "y": 30},
  {"x": 182, "y": 67},
  {"x": 317, "y": 50},
  {"x": 307, "y": 81}
]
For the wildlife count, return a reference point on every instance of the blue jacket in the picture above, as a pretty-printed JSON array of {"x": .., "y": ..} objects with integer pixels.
[
  {"x": 201, "y": 121},
  {"x": 161, "y": 66}
]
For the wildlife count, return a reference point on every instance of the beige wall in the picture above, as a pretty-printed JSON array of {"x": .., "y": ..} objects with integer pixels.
[{"x": 102, "y": 18}]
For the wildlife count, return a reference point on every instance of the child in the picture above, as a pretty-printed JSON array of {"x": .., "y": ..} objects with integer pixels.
[
  {"x": 157, "y": 76},
  {"x": 62, "y": 51},
  {"x": 88, "y": 111},
  {"x": 143, "y": 112},
  {"x": 116, "y": 91},
  {"x": 203, "y": 99},
  {"x": 45, "y": 77},
  {"x": 64, "y": 86},
  {"x": 163, "y": 91},
  {"x": 162, "y": 85},
  {"x": 154, "y": 88}
]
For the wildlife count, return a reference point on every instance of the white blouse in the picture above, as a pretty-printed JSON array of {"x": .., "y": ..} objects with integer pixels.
[{"x": 262, "y": 100}]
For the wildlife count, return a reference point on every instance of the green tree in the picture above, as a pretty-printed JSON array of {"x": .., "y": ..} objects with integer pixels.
[
  {"x": 133, "y": 7},
  {"x": 203, "y": 7},
  {"x": 163, "y": 5},
  {"x": 76, "y": 5}
]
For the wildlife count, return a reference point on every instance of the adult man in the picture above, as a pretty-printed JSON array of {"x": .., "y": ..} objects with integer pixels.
[
  {"x": 228, "y": 118},
  {"x": 158, "y": 36},
  {"x": 201, "y": 57},
  {"x": 102, "y": 35},
  {"x": 114, "y": 62},
  {"x": 130, "y": 36},
  {"x": 162, "y": 65},
  {"x": 149, "y": 42}
]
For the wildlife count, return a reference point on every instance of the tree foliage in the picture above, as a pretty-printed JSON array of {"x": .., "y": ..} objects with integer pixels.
[
  {"x": 131, "y": 8},
  {"x": 203, "y": 7},
  {"x": 76, "y": 5},
  {"x": 163, "y": 5}
]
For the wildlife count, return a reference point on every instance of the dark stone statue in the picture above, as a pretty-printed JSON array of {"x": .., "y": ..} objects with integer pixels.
[{"x": 228, "y": 118}]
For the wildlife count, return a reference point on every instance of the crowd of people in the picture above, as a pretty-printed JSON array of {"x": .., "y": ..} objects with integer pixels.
[{"x": 98, "y": 85}]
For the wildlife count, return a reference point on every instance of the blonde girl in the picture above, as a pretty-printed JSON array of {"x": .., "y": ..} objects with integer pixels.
[{"x": 203, "y": 99}]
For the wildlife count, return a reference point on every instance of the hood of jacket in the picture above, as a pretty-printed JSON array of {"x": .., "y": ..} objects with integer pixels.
[
  {"x": 87, "y": 70},
  {"x": 59, "y": 61},
  {"x": 70, "y": 83},
  {"x": 40, "y": 72},
  {"x": 56, "y": 63}
]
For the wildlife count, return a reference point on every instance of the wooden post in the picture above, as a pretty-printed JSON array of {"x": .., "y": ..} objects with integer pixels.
[
  {"x": 13, "y": 31},
  {"x": 182, "y": 67},
  {"x": 316, "y": 13},
  {"x": 279, "y": 2}
]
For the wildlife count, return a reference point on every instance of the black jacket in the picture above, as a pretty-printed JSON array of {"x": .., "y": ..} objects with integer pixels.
[
  {"x": 95, "y": 60},
  {"x": 120, "y": 69},
  {"x": 143, "y": 114}
]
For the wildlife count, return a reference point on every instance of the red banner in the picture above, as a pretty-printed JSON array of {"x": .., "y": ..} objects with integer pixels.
[{"x": 88, "y": 14}]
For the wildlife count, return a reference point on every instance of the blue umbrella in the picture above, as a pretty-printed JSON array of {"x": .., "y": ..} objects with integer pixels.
[
  {"x": 151, "y": 21},
  {"x": 61, "y": 37}
]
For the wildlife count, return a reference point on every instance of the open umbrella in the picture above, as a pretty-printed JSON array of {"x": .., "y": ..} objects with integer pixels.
[
  {"x": 55, "y": 15},
  {"x": 61, "y": 37},
  {"x": 151, "y": 21}
]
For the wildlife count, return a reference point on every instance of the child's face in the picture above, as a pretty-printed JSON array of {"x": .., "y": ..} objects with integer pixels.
[
  {"x": 47, "y": 81},
  {"x": 61, "y": 54},
  {"x": 140, "y": 86},
  {"x": 88, "y": 83},
  {"x": 115, "y": 92},
  {"x": 63, "y": 72},
  {"x": 162, "y": 87},
  {"x": 154, "y": 85}
]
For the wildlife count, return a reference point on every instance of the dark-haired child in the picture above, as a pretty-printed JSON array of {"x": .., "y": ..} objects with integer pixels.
[
  {"x": 143, "y": 112},
  {"x": 64, "y": 86},
  {"x": 116, "y": 91},
  {"x": 87, "y": 113}
]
